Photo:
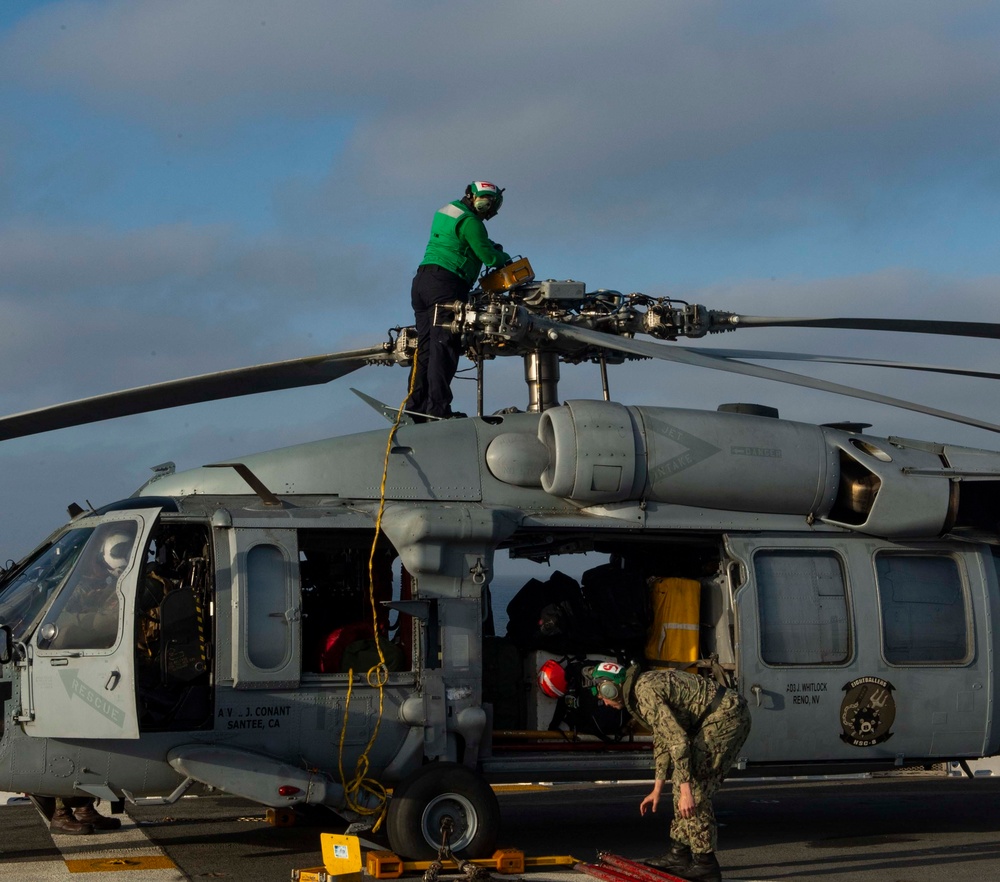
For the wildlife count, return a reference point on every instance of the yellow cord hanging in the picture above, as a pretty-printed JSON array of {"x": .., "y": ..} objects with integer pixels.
[{"x": 378, "y": 675}]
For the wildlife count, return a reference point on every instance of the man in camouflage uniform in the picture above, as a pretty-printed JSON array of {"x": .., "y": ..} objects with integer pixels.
[{"x": 698, "y": 729}]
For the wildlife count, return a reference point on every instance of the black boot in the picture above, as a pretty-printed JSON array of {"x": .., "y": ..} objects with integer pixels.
[
  {"x": 675, "y": 861},
  {"x": 703, "y": 868},
  {"x": 64, "y": 822},
  {"x": 87, "y": 814}
]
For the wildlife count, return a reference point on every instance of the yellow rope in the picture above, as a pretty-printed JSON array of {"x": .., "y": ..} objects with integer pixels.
[{"x": 378, "y": 675}]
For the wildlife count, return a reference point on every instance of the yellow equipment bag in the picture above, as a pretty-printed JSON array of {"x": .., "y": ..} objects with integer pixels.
[{"x": 673, "y": 636}]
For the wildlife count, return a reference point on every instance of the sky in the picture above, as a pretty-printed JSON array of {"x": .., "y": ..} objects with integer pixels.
[{"x": 206, "y": 184}]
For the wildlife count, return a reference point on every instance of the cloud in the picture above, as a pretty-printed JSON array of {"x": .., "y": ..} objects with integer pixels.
[
  {"x": 716, "y": 131},
  {"x": 583, "y": 104},
  {"x": 89, "y": 310}
]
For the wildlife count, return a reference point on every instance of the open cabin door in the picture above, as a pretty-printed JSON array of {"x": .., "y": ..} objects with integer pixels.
[
  {"x": 79, "y": 681},
  {"x": 857, "y": 649}
]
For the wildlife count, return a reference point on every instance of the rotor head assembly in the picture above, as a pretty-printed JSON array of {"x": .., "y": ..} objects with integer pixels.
[{"x": 544, "y": 322}]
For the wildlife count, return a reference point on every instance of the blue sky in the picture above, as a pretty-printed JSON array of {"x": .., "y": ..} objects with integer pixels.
[{"x": 198, "y": 185}]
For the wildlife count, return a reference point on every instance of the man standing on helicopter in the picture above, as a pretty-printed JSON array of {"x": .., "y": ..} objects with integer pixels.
[
  {"x": 698, "y": 729},
  {"x": 457, "y": 250}
]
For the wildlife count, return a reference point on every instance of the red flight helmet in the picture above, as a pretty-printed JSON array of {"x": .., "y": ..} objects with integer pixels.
[{"x": 552, "y": 679}]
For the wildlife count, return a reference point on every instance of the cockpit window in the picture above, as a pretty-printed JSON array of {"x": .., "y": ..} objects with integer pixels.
[
  {"x": 85, "y": 615},
  {"x": 37, "y": 582}
]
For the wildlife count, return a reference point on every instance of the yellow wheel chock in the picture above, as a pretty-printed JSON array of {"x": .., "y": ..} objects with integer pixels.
[{"x": 342, "y": 862}]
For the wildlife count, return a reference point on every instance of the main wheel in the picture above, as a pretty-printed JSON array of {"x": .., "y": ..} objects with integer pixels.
[{"x": 437, "y": 792}]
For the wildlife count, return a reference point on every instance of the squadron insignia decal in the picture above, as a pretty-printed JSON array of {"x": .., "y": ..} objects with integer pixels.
[{"x": 867, "y": 712}]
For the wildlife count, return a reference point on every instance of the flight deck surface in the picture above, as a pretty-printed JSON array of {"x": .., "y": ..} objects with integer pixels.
[{"x": 856, "y": 830}]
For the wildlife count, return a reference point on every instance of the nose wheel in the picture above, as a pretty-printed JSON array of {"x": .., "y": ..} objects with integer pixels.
[{"x": 443, "y": 796}]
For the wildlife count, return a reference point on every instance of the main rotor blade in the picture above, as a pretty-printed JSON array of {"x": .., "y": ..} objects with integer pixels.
[
  {"x": 310, "y": 371},
  {"x": 912, "y": 326},
  {"x": 761, "y": 354},
  {"x": 701, "y": 359}
]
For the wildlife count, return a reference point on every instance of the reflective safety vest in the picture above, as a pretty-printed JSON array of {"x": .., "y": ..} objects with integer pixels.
[{"x": 448, "y": 248}]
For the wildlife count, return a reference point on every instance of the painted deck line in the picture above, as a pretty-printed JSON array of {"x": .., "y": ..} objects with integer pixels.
[{"x": 519, "y": 788}]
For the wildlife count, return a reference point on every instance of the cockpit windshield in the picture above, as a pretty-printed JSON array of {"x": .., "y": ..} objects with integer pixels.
[{"x": 25, "y": 596}]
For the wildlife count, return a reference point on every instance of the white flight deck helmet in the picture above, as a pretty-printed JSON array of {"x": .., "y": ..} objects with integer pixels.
[{"x": 115, "y": 551}]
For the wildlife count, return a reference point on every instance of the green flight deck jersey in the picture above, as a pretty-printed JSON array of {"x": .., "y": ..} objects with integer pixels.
[{"x": 459, "y": 243}]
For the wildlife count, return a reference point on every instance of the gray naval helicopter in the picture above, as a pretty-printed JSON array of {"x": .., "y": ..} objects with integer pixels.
[{"x": 313, "y": 625}]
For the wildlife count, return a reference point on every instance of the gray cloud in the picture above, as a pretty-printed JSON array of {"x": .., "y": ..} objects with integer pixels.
[
  {"x": 734, "y": 124},
  {"x": 92, "y": 310}
]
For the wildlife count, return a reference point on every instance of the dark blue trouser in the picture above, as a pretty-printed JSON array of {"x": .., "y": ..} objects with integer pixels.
[{"x": 437, "y": 348}]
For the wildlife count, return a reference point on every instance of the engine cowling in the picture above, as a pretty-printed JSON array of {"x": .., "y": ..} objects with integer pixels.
[{"x": 603, "y": 452}]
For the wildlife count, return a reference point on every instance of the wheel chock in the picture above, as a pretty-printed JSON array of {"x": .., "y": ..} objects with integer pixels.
[
  {"x": 383, "y": 865},
  {"x": 280, "y": 817},
  {"x": 313, "y": 874},
  {"x": 505, "y": 861},
  {"x": 341, "y": 856},
  {"x": 508, "y": 861},
  {"x": 552, "y": 860}
]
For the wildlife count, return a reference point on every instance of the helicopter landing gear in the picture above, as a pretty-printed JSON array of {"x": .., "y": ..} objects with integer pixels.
[{"x": 443, "y": 792}]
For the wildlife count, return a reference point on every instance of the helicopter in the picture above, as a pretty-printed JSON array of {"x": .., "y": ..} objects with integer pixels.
[{"x": 313, "y": 625}]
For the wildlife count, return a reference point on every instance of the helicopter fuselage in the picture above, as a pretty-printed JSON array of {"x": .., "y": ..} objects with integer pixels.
[{"x": 847, "y": 585}]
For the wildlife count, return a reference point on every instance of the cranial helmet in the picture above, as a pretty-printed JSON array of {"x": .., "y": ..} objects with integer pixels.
[
  {"x": 552, "y": 679},
  {"x": 116, "y": 550},
  {"x": 484, "y": 198},
  {"x": 609, "y": 680}
]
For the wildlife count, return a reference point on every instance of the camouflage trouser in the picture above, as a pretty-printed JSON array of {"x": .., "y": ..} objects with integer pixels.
[{"x": 714, "y": 749}]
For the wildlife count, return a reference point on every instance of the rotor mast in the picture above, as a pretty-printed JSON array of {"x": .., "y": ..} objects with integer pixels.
[{"x": 541, "y": 373}]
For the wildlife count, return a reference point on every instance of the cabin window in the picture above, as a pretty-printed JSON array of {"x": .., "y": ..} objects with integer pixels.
[
  {"x": 268, "y": 635},
  {"x": 802, "y": 607},
  {"x": 924, "y": 610}
]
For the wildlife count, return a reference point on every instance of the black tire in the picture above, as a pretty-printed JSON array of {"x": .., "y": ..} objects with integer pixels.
[{"x": 438, "y": 791}]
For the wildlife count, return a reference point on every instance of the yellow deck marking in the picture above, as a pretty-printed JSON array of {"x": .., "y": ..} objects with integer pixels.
[
  {"x": 514, "y": 788},
  {"x": 132, "y": 862},
  {"x": 126, "y": 850}
]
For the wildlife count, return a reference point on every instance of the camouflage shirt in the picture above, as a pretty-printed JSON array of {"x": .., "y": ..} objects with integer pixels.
[{"x": 671, "y": 704}]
